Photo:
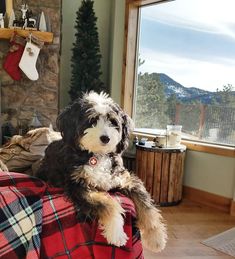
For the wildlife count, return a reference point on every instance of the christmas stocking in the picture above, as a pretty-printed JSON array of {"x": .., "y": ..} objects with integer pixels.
[
  {"x": 11, "y": 62},
  {"x": 29, "y": 58}
]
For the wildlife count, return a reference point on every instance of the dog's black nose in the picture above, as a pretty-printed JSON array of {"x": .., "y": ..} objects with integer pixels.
[{"x": 105, "y": 139}]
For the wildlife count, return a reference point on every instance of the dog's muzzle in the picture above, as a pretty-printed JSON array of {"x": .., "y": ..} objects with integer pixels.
[{"x": 104, "y": 139}]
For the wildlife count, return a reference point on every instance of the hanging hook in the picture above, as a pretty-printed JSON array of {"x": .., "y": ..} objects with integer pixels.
[{"x": 30, "y": 37}]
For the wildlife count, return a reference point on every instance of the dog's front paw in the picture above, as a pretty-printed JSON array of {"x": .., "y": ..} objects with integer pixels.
[
  {"x": 153, "y": 230},
  {"x": 116, "y": 237},
  {"x": 155, "y": 238},
  {"x": 113, "y": 231}
]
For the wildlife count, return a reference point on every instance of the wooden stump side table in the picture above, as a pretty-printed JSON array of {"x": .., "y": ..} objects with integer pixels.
[{"x": 161, "y": 170}]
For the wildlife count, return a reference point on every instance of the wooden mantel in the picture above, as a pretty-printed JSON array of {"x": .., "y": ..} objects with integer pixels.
[{"x": 6, "y": 33}]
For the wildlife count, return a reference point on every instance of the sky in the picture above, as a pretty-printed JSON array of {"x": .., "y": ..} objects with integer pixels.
[{"x": 192, "y": 41}]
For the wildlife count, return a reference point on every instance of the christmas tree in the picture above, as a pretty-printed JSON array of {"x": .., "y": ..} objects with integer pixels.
[{"x": 85, "y": 62}]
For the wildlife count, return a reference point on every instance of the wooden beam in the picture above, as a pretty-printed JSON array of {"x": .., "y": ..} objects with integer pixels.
[
  {"x": 6, "y": 33},
  {"x": 147, "y": 2},
  {"x": 129, "y": 56}
]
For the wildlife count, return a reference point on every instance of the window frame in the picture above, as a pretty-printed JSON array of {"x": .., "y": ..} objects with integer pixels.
[{"x": 129, "y": 76}]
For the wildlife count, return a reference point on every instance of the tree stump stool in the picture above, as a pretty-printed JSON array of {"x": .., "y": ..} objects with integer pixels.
[{"x": 161, "y": 170}]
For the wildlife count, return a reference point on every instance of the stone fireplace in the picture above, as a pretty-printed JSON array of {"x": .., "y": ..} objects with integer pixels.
[{"x": 22, "y": 100}]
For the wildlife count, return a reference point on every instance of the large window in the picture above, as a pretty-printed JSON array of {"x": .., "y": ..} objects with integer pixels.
[{"x": 184, "y": 73}]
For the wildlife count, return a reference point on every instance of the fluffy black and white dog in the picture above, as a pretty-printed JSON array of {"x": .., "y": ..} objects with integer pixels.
[{"x": 87, "y": 163}]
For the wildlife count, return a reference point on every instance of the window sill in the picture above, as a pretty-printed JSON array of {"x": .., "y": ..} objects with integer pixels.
[
  {"x": 210, "y": 148},
  {"x": 198, "y": 146}
]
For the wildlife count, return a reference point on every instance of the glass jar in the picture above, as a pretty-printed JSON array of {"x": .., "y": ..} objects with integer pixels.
[{"x": 173, "y": 135}]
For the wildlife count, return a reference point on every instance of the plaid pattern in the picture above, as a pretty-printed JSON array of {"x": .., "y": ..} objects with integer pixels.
[{"x": 36, "y": 221}]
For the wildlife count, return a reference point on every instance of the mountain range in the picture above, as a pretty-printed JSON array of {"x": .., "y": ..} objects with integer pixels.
[{"x": 186, "y": 94}]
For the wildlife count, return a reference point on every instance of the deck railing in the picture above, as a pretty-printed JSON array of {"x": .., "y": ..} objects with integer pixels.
[{"x": 208, "y": 123}]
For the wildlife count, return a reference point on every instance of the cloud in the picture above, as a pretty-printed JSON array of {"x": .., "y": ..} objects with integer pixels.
[
  {"x": 184, "y": 42},
  {"x": 210, "y": 16},
  {"x": 187, "y": 71}
]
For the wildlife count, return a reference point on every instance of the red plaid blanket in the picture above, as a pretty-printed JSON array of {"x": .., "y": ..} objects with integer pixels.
[{"x": 36, "y": 221}]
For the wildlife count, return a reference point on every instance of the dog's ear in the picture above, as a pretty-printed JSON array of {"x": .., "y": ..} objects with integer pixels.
[
  {"x": 68, "y": 123},
  {"x": 127, "y": 128}
]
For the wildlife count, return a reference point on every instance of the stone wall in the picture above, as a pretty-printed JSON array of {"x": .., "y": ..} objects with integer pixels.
[{"x": 20, "y": 99}]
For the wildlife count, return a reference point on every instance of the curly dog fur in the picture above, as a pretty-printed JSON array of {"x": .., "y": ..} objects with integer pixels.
[{"x": 87, "y": 163}]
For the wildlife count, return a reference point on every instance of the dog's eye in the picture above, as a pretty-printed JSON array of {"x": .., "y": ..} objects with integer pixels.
[
  {"x": 93, "y": 121},
  {"x": 114, "y": 123}
]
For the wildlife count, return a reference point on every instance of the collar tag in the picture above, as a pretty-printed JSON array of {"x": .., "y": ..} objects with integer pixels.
[{"x": 93, "y": 161}]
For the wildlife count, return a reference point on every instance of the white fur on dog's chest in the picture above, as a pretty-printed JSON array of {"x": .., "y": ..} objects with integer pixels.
[{"x": 100, "y": 174}]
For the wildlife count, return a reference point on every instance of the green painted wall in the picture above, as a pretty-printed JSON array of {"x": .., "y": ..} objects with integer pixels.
[
  {"x": 211, "y": 173},
  {"x": 104, "y": 24},
  {"x": 117, "y": 45}
]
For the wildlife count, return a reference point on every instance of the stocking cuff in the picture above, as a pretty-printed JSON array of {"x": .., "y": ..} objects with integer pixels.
[{"x": 35, "y": 41}]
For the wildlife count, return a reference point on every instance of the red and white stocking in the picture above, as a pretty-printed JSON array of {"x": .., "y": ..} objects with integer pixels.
[
  {"x": 11, "y": 62},
  {"x": 29, "y": 58}
]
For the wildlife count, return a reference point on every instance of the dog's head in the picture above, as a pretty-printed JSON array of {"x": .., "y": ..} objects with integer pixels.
[{"x": 95, "y": 123}]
